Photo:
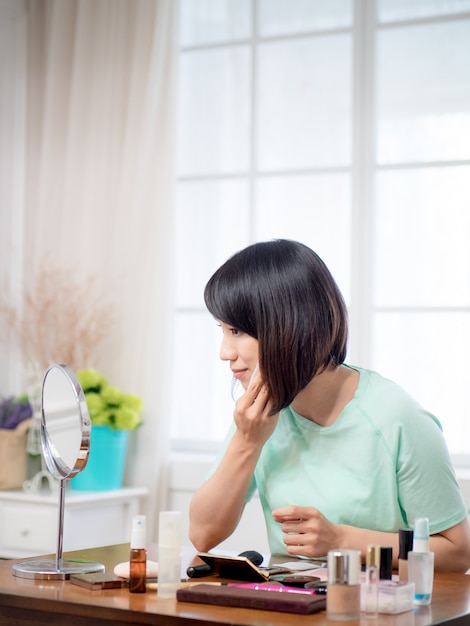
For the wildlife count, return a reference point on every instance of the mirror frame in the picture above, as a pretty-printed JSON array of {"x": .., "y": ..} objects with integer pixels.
[{"x": 55, "y": 464}]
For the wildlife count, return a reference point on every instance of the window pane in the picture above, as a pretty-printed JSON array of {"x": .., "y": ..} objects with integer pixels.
[
  {"x": 423, "y": 93},
  {"x": 211, "y": 224},
  {"x": 427, "y": 353},
  {"x": 423, "y": 235},
  {"x": 202, "y": 405},
  {"x": 276, "y": 17},
  {"x": 390, "y": 10},
  {"x": 244, "y": 180},
  {"x": 214, "y": 21},
  {"x": 315, "y": 210},
  {"x": 214, "y": 114},
  {"x": 304, "y": 109}
]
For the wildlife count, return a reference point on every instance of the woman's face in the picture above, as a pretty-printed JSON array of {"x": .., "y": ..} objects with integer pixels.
[{"x": 241, "y": 350}]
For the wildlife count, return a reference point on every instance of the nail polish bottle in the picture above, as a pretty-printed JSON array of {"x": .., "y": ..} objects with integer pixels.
[
  {"x": 138, "y": 556},
  {"x": 406, "y": 545},
  {"x": 421, "y": 563},
  {"x": 343, "y": 600}
]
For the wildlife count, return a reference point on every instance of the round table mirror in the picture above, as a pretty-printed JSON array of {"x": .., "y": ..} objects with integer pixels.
[{"x": 65, "y": 443}]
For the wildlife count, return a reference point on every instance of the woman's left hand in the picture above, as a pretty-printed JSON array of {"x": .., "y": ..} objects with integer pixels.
[{"x": 306, "y": 531}]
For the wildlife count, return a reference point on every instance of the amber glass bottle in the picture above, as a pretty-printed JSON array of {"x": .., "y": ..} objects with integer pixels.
[{"x": 138, "y": 556}]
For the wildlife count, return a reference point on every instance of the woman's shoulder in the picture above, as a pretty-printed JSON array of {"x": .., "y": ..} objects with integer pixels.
[
  {"x": 374, "y": 388},
  {"x": 384, "y": 400}
]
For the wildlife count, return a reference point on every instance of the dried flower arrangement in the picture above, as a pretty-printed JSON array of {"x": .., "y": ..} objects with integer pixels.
[{"x": 61, "y": 321}]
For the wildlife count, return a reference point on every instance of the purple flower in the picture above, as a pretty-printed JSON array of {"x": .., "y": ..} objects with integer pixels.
[{"x": 13, "y": 411}]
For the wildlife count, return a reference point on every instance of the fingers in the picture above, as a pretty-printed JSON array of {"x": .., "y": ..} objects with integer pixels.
[
  {"x": 256, "y": 386},
  {"x": 256, "y": 392},
  {"x": 254, "y": 401},
  {"x": 252, "y": 413},
  {"x": 302, "y": 550},
  {"x": 292, "y": 513},
  {"x": 294, "y": 522},
  {"x": 306, "y": 532},
  {"x": 300, "y": 543},
  {"x": 261, "y": 399},
  {"x": 254, "y": 375}
]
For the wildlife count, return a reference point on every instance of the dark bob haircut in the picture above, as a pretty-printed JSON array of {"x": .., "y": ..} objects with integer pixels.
[{"x": 282, "y": 294}]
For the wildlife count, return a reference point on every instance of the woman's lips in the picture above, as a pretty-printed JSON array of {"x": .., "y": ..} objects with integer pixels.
[{"x": 238, "y": 374}]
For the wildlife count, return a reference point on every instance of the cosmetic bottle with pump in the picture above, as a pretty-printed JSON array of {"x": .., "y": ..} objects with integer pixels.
[
  {"x": 138, "y": 556},
  {"x": 421, "y": 562},
  {"x": 343, "y": 600},
  {"x": 169, "y": 553},
  {"x": 405, "y": 538}
]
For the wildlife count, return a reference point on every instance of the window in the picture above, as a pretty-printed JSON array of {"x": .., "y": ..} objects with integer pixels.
[{"x": 345, "y": 125}]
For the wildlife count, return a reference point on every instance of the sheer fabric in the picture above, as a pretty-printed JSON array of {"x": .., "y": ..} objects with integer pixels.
[{"x": 99, "y": 185}]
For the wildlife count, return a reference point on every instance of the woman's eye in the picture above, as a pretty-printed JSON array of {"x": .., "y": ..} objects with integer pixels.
[{"x": 229, "y": 329}]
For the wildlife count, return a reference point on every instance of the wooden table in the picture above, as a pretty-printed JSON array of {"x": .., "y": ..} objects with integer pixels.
[{"x": 26, "y": 602}]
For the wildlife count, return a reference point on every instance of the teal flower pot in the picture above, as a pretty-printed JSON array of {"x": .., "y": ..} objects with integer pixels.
[{"x": 105, "y": 468}]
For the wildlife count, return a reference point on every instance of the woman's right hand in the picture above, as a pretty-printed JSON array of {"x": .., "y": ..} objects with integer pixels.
[{"x": 252, "y": 412}]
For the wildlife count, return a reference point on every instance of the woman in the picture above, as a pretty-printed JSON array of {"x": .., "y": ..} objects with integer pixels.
[{"x": 340, "y": 456}]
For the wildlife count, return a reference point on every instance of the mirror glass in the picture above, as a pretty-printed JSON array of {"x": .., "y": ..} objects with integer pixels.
[
  {"x": 65, "y": 443},
  {"x": 66, "y": 424}
]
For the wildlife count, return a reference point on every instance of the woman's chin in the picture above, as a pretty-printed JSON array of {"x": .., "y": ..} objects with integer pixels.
[{"x": 238, "y": 388}]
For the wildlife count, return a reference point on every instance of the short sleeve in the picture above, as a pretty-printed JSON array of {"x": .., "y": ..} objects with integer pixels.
[{"x": 427, "y": 485}]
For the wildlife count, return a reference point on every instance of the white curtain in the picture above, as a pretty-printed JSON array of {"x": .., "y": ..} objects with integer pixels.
[{"x": 99, "y": 182}]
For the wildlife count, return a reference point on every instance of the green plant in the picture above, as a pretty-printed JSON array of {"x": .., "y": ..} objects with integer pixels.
[{"x": 108, "y": 405}]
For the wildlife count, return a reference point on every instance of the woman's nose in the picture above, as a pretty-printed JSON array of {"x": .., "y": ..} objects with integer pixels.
[{"x": 227, "y": 352}]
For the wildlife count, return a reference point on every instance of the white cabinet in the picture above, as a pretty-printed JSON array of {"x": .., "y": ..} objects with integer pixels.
[{"x": 28, "y": 523}]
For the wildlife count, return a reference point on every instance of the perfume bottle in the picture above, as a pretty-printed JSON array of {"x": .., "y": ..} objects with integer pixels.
[
  {"x": 370, "y": 587},
  {"x": 138, "y": 556}
]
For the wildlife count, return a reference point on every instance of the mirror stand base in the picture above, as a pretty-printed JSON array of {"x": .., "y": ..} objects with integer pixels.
[{"x": 46, "y": 569}]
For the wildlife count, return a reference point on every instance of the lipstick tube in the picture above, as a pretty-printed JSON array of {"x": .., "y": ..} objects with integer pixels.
[{"x": 270, "y": 587}]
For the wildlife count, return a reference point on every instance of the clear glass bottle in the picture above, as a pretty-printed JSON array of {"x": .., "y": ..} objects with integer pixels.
[{"x": 370, "y": 587}]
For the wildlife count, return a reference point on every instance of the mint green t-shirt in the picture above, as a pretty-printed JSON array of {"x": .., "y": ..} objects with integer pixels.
[{"x": 380, "y": 465}]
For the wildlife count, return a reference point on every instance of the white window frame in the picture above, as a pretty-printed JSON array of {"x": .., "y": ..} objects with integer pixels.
[{"x": 364, "y": 169}]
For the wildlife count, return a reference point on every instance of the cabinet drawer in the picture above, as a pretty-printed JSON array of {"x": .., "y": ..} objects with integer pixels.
[
  {"x": 93, "y": 527},
  {"x": 28, "y": 522},
  {"x": 26, "y": 528}
]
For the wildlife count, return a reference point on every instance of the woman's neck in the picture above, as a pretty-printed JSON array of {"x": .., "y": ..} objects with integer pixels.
[{"x": 326, "y": 395}]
